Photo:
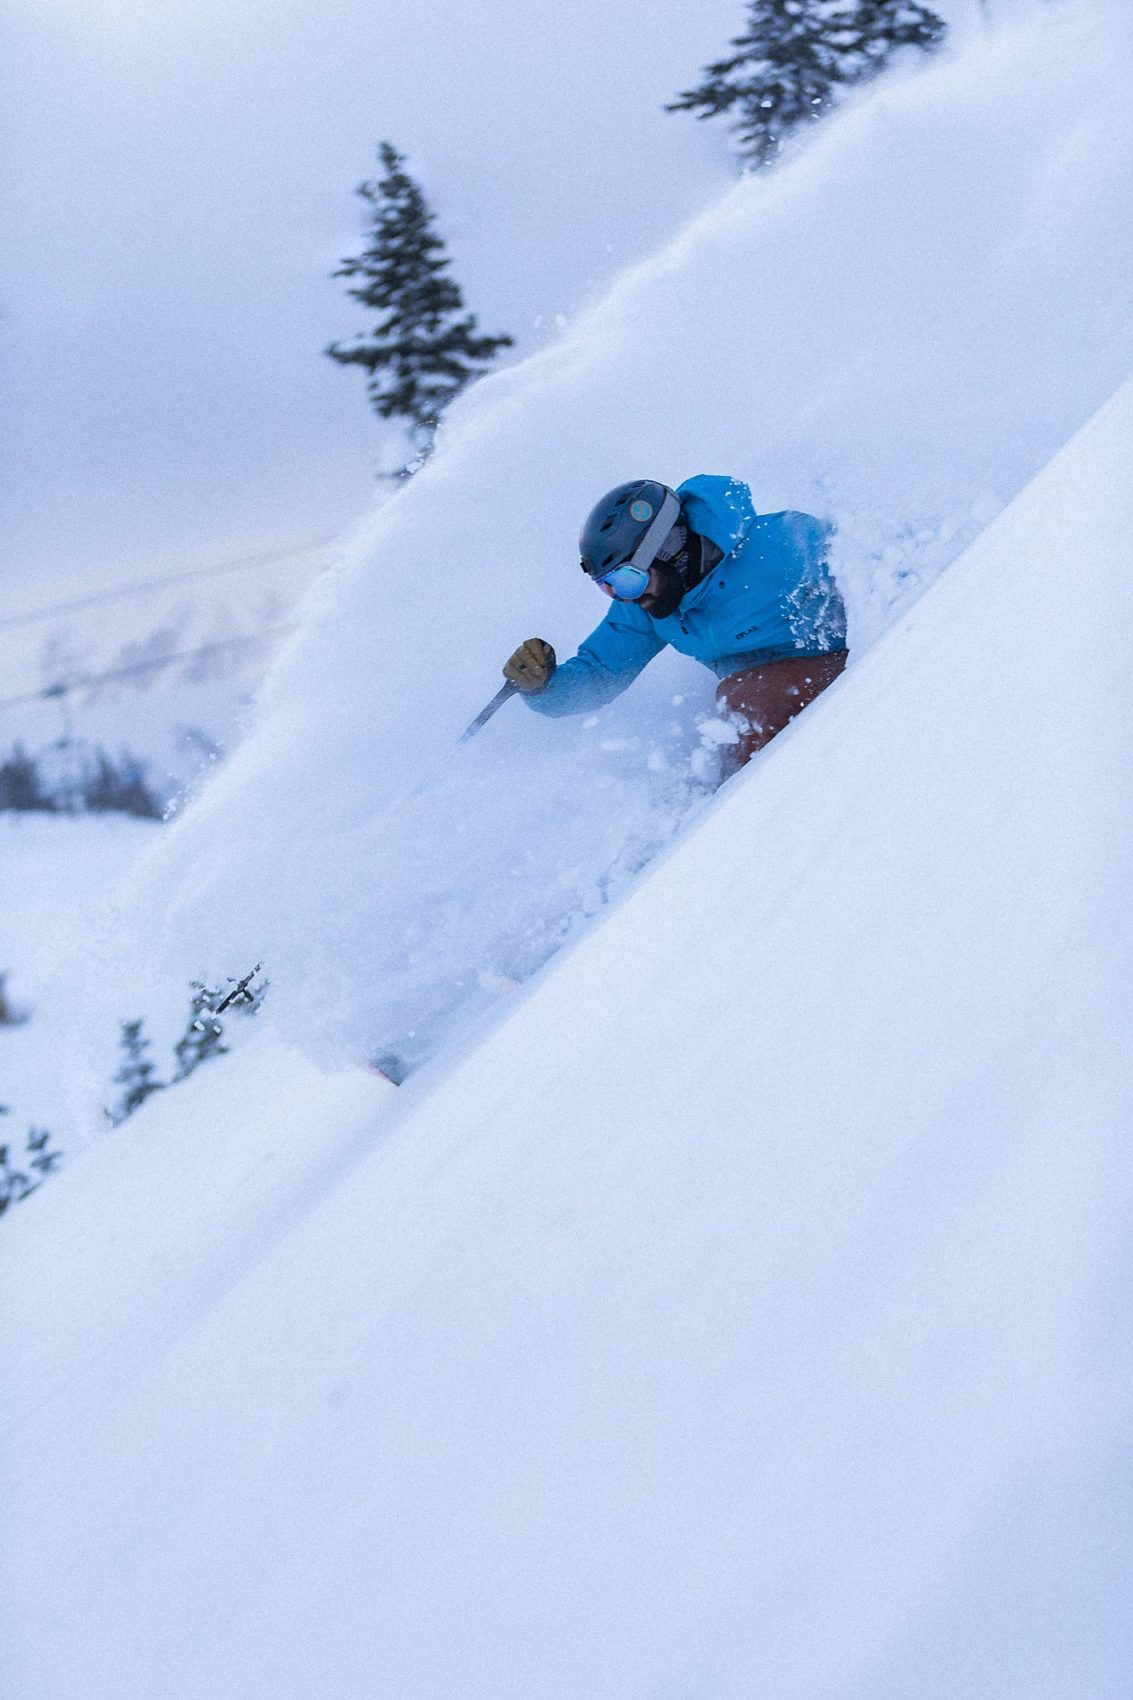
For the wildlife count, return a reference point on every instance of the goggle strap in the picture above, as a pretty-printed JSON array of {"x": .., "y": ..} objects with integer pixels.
[{"x": 663, "y": 522}]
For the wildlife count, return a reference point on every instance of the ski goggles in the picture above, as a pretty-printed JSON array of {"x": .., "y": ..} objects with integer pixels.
[
  {"x": 626, "y": 583},
  {"x": 629, "y": 580}
]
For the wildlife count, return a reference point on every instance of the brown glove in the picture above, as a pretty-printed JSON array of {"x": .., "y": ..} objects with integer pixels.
[{"x": 530, "y": 668}]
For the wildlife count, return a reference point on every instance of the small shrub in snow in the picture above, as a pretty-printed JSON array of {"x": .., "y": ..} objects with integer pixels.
[
  {"x": 204, "y": 1032},
  {"x": 17, "y": 1182},
  {"x": 136, "y": 1076},
  {"x": 795, "y": 55},
  {"x": 424, "y": 348},
  {"x": 203, "y": 1036},
  {"x": 202, "y": 1039}
]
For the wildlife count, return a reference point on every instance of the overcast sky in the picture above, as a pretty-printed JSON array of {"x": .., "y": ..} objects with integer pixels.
[{"x": 178, "y": 185}]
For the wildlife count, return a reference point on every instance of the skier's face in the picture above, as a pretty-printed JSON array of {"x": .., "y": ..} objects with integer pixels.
[
  {"x": 665, "y": 581},
  {"x": 666, "y": 587}
]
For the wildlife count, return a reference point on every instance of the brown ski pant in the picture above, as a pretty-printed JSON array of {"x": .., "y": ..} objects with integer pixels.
[{"x": 762, "y": 700}]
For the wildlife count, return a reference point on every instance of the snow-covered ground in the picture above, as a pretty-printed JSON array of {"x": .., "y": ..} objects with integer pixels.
[
  {"x": 55, "y": 876},
  {"x": 741, "y": 1316},
  {"x": 735, "y": 1306}
]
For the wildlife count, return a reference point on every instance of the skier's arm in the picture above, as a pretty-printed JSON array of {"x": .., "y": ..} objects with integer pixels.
[{"x": 609, "y": 660}]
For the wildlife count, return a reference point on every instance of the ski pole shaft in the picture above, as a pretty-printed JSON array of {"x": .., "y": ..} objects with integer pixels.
[{"x": 486, "y": 713}]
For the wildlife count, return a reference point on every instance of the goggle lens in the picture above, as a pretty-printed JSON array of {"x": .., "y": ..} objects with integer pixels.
[{"x": 626, "y": 583}]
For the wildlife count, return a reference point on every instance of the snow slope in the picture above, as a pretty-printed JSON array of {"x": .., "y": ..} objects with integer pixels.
[
  {"x": 744, "y": 1315},
  {"x": 896, "y": 330},
  {"x": 55, "y": 872}
]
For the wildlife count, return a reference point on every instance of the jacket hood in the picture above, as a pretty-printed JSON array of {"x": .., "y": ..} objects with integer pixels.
[{"x": 718, "y": 508}]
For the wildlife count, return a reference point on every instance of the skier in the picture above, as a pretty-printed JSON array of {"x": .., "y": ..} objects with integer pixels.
[{"x": 750, "y": 595}]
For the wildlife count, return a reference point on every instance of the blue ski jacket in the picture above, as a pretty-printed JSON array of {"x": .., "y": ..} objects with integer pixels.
[{"x": 772, "y": 596}]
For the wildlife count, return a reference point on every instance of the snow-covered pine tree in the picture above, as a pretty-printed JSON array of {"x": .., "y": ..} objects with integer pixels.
[
  {"x": 795, "y": 55},
  {"x": 136, "y": 1075},
  {"x": 203, "y": 1037},
  {"x": 424, "y": 349},
  {"x": 15, "y": 1183}
]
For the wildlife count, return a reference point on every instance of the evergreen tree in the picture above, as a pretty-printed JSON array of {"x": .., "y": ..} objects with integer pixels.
[
  {"x": 107, "y": 787},
  {"x": 15, "y": 1183},
  {"x": 794, "y": 56},
  {"x": 244, "y": 995},
  {"x": 74, "y": 776},
  {"x": 21, "y": 785},
  {"x": 424, "y": 349},
  {"x": 204, "y": 1033},
  {"x": 136, "y": 1075},
  {"x": 203, "y": 1037}
]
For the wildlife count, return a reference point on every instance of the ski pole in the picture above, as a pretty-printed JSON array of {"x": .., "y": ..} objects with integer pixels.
[{"x": 485, "y": 714}]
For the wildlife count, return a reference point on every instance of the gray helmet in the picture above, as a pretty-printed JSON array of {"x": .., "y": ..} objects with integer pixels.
[{"x": 629, "y": 524}]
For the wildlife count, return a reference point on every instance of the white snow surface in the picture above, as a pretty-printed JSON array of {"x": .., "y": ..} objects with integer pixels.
[
  {"x": 736, "y": 1306},
  {"x": 744, "y": 1315},
  {"x": 55, "y": 872},
  {"x": 895, "y": 330}
]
